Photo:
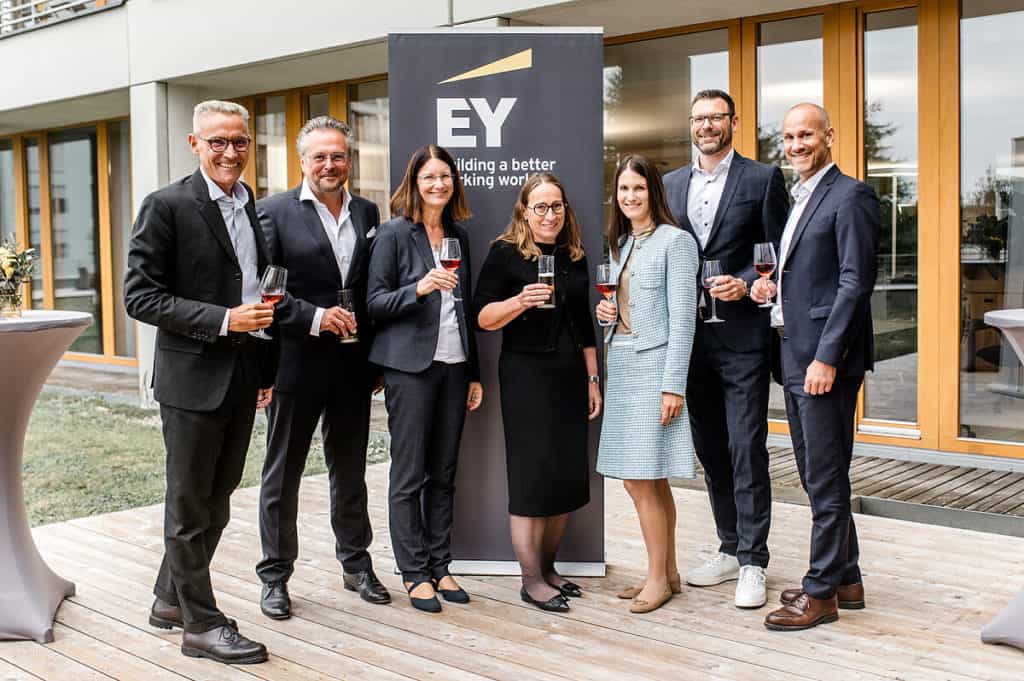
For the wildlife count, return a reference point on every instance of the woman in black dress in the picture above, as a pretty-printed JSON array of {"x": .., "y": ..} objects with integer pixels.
[{"x": 548, "y": 375}]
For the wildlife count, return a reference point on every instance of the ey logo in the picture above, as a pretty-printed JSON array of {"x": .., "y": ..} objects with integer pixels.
[{"x": 451, "y": 110}]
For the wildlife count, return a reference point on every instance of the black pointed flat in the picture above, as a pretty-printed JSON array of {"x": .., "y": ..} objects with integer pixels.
[
  {"x": 557, "y": 603},
  {"x": 570, "y": 589}
]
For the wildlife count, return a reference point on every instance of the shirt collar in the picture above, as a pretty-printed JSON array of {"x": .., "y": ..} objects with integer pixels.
[
  {"x": 306, "y": 194},
  {"x": 722, "y": 167},
  {"x": 804, "y": 189},
  {"x": 238, "y": 193}
]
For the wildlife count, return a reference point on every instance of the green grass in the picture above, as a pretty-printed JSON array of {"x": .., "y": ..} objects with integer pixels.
[{"x": 84, "y": 455}]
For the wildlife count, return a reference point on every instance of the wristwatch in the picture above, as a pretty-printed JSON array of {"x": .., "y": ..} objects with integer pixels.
[{"x": 593, "y": 378}]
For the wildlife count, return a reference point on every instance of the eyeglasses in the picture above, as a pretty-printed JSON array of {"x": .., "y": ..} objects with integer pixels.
[
  {"x": 219, "y": 144},
  {"x": 337, "y": 158},
  {"x": 431, "y": 179},
  {"x": 714, "y": 118},
  {"x": 541, "y": 209}
]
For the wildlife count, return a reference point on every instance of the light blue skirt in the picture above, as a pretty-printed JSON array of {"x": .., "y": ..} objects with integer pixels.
[{"x": 634, "y": 444}]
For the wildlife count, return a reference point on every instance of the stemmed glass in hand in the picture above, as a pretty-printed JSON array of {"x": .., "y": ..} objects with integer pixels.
[
  {"x": 450, "y": 257},
  {"x": 712, "y": 270},
  {"x": 764, "y": 265},
  {"x": 606, "y": 286},
  {"x": 272, "y": 288}
]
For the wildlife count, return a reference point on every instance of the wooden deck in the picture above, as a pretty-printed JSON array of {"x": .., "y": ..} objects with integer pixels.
[{"x": 929, "y": 589}]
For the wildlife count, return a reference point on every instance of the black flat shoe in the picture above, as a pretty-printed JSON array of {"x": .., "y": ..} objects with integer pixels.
[
  {"x": 570, "y": 589},
  {"x": 451, "y": 595},
  {"x": 366, "y": 584},
  {"x": 425, "y": 604},
  {"x": 557, "y": 603}
]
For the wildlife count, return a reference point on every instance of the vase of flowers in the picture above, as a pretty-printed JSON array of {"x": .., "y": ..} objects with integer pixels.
[{"x": 15, "y": 269}]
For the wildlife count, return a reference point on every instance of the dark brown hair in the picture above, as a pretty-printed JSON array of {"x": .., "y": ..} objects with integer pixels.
[
  {"x": 518, "y": 231},
  {"x": 716, "y": 94},
  {"x": 406, "y": 200},
  {"x": 618, "y": 223}
]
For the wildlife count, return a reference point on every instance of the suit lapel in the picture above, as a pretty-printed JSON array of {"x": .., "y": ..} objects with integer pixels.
[
  {"x": 358, "y": 217},
  {"x": 210, "y": 211},
  {"x": 681, "y": 200},
  {"x": 422, "y": 243},
  {"x": 311, "y": 219},
  {"x": 732, "y": 180},
  {"x": 262, "y": 252},
  {"x": 812, "y": 205}
]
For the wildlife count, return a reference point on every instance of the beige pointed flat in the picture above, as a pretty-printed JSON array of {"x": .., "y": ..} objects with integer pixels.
[
  {"x": 641, "y": 606},
  {"x": 631, "y": 592}
]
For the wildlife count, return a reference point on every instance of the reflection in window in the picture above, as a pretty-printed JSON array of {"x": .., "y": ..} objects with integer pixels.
[
  {"x": 890, "y": 156},
  {"x": 647, "y": 91},
  {"x": 271, "y": 146},
  {"x": 316, "y": 104},
  {"x": 119, "y": 157},
  {"x": 991, "y": 216},
  {"x": 7, "y": 226},
  {"x": 789, "y": 71},
  {"x": 75, "y": 229},
  {"x": 34, "y": 216},
  {"x": 368, "y": 117}
]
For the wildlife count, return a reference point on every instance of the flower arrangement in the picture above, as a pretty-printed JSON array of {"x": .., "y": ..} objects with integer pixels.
[{"x": 15, "y": 268}]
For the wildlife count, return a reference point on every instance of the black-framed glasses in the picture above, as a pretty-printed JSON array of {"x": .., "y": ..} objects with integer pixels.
[
  {"x": 336, "y": 158},
  {"x": 713, "y": 117},
  {"x": 219, "y": 144},
  {"x": 541, "y": 209}
]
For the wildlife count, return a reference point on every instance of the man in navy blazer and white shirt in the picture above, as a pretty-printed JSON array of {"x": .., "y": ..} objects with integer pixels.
[
  {"x": 729, "y": 203},
  {"x": 321, "y": 233},
  {"x": 825, "y": 343}
]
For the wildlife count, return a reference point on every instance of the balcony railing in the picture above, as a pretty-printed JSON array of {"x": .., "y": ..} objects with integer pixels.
[{"x": 17, "y": 16}]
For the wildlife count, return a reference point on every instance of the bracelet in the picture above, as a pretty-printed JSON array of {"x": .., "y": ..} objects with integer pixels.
[{"x": 593, "y": 378}]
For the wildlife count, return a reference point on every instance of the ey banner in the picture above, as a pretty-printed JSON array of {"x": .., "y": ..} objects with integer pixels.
[{"x": 505, "y": 103}]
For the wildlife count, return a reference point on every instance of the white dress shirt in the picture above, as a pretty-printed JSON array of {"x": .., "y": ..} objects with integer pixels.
[
  {"x": 449, "y": 340},
  {"x": 705, "y": 194},
  {"x": 801, "y": 192},
  {"x": 341, "y": 233},
  {"x": 232, "y": 209}
]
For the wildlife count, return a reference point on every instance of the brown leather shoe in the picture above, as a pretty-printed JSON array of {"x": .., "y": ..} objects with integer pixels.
[
  {"x": 850, "y": 596},
  {"x": 803, "y": 613}
]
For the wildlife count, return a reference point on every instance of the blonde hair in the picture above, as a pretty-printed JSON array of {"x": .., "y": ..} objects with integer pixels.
[{"x": 518, "y": 231}]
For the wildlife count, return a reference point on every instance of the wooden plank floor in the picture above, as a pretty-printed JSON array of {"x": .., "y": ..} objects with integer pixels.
[
  {"x": 956, "y": 487},
  {"x": 930, "y": 590}
]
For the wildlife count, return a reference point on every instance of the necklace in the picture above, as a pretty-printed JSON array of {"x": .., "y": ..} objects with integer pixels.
[{"x": 640, "y": 235}]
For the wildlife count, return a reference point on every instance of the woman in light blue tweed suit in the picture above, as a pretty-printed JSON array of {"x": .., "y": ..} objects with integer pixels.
[{"x": 645, "y": 438}]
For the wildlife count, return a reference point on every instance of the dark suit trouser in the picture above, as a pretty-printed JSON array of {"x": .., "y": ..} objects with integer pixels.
[
  {"x": 426, "y": 412},
  {"x": 822, "y": 431},
  {"x": 292, "y": 418},
  {"x": 205, "y": 458},
  {"x": 727, "y": 397}
]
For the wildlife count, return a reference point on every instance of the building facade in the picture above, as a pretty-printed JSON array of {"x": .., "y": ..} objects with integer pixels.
[{"x": 925, "y": 97}]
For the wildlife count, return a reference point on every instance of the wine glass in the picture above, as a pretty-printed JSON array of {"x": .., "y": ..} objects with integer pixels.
[
  {"x": 712, "y": 269},
  {"x": 606, "y": 286},
  {"x": 764, "y": 264},
  {"x": 272, "y": 288},
  {"x": 346, "y": 301},
  {"x": 546, "y": 275},
  {"x": 450, "y": 257}
]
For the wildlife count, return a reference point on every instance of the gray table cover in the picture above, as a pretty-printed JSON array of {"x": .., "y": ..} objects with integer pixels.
[{"x": 30, "y": 592}]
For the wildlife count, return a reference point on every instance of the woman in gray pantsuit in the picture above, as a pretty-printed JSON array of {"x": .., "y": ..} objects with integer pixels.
[{"x": 645, "y": 437}]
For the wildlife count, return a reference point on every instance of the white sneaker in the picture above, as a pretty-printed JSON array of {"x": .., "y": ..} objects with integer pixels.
[
  {"x": 721, "y": 568},
  {"x": 750, "y": 590}
]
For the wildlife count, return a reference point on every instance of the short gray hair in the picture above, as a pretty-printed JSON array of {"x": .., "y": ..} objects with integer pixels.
[
  {"x": 212, "y": 106},
  {"x": 321, "y": 123}
]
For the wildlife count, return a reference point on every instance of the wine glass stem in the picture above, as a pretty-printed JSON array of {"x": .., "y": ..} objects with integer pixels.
[{"x": 714, "y": 314}]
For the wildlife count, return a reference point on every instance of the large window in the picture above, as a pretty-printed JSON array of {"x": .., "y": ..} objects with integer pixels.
[
  {"x": 119, "y": 159},
  {"x": 991, "y": 215},
  {"x": 35, "y": 218},
  {"x": 74, "y": 231},
  {"x": 368, "y": 116},
  {"x": 890, "y": 160},
  {"x": 7, "y": 223},
  {"x": 271, "y": 149}
]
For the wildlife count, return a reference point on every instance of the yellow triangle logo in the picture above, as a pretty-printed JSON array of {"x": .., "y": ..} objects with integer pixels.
[{"x": 516, "y": 62}]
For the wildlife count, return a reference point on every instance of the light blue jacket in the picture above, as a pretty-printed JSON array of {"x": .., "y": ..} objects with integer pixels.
[{"x": 662, "y": 298}]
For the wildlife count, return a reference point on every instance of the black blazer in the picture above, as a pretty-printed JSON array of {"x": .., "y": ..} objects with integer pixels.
[
  {"x": 504, "y": 274},
  {"x": 828, "y": 279},
  {"x": 296, "y": 240},
  {"x": 406, "y": 326},
  {"x": 182, "y": 278},
  {"x": 752, "y": 210}
]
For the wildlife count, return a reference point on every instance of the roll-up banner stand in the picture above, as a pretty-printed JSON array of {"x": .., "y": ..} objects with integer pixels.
[{"x": 505, "y": 102}]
